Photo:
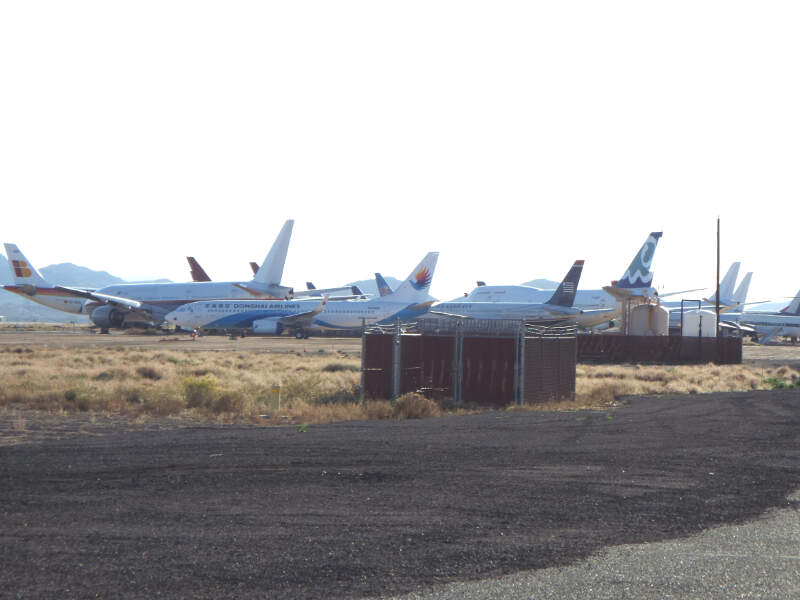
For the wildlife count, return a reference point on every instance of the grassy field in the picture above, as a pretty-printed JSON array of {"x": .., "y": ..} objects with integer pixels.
[{"x": 263, "y": 387}]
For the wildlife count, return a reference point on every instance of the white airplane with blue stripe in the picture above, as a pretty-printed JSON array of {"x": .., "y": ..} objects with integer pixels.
[{"x": 301, "y": 317}]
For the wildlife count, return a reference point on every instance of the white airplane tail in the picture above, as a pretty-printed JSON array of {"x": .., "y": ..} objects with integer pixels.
[
  {"x": 271, "y": 271},
  {"x": 726, "y": 286},
  {"x": 740, "y": 295},
  {"x": 24, "y": 272},
  {"x": 416, "y": 285}
]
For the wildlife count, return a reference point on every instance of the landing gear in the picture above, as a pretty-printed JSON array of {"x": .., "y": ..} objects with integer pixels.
[
  {"x": 104, "y": 330},
  {"x": 299, "y": 334}
]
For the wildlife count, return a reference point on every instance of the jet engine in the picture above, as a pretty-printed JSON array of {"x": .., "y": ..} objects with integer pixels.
[
  {"x": 107, "y": 316},
  {"x": 267, "y": 327}
]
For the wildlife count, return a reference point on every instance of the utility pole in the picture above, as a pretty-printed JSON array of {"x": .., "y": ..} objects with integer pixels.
[{"x": 717, "y": 295}]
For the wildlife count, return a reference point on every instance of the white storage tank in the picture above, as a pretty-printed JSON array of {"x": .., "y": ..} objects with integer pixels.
[
  {"x": 699, "y": 322},
  {"x": 649, "y": 319}
]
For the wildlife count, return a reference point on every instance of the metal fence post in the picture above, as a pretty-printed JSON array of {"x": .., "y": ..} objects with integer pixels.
[
  {"x": 362, "y": 395},
  {"x": 396, "y": 361},
  {"x": 457, "y": 364},
  {"x": 522, "y": 369}
]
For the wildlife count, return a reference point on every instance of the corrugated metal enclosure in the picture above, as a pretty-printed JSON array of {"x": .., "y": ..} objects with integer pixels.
[
  {"x": 489, "y": 363},
  {"x": 663, "y": 350}
]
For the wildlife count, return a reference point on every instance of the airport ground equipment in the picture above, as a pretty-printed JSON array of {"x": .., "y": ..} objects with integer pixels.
[{"x": 481, "y": 362}]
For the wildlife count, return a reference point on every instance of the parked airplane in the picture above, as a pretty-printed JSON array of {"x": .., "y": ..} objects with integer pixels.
[
  {"x": 558, "y": 308},
  {"x": 124, "y": 304},
  {"x": 636, "y": 280},
  {"x": 302, "y": 317},
  {"x": 771, "y": 325}
]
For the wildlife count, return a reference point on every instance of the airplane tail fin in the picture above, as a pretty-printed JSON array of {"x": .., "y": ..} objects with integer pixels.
[
  {"x": 271, "y": 270},
  {"x": 310, "y": 286},
  {"x": 794, "y": 306},
  {"x": 740, "y": 295},
  {"x": 198, "y": 273},
  {"x": 726, "y": 285},
  {"x": 638, "y": 274},
  {"x": 565, "y": 293},
  {"x": 383, "y": 287},
  {"x": 254, "y": 267},
  {"x": 416, "y": 285},
  {"x": 24, "y": 272}
]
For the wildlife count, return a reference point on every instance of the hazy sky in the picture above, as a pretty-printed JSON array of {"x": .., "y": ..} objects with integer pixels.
[{"x": 513, "y": 137}]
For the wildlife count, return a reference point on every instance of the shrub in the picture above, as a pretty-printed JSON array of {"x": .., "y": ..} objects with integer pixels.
[
  {"x": 415, "y": 406},
  {"x": 378, "y": 409},
  {"x": 335, "y": 367},
  {"x": 164, "y": 404},
  {"x": 200, "y": 391},
  {"x": 148, "y": 372},
  {"x": 775, "y": 383}
]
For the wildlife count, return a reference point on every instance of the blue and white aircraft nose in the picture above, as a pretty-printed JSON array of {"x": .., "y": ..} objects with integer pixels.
[{"x": 181, "y": 318}]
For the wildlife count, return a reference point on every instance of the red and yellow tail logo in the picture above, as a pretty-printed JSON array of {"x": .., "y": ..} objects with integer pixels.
[{"x": 21, "y": 268}]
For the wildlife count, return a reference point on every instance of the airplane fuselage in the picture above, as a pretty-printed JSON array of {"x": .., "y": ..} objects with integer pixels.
[
  {"x": 584, "y": 299},
  {"x": 336, "y": 315},
  {"x": 526, "y": 311}
]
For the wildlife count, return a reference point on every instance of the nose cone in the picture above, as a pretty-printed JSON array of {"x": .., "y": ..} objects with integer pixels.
[{"x": 179, "y": 319}]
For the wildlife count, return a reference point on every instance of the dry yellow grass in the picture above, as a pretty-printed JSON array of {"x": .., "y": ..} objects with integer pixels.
[{"x": 314, "y": 388}]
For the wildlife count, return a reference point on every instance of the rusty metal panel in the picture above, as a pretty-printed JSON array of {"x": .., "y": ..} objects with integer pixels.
[
  {"x": 377, "y": 366},
  {"x": 437, "y": 366},
  {"x": 488, "y": 371},
  {"x": 378, "y": 352},
  {"x": 410, "y": 363},
  {"x": 609, "y": 348},
  {"x": 549, "y": 369}
]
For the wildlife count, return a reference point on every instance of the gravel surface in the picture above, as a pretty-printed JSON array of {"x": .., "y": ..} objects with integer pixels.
[
  {"x": 760, "y": 559},
  {"x": 386, "y": 508}
]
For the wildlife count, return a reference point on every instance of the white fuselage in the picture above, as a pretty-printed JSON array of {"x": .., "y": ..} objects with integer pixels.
[
  {"x": 49, "y": 297},
  {"x": 522, "y": 311},
  {"x": 769, "y": 325},
  {"x": 584, "y": 299},
  {"x": 240, "y": 315}
]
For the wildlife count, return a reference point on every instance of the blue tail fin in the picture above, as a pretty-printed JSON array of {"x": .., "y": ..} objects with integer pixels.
[
  {"x": 565, "y": 293},
  {"x": 638, "y": 274}
]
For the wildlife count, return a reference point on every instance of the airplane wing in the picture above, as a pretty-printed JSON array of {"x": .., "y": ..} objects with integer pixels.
[
  {"x": 348, "y": 290},
  {"x": 439, "y": 313},
  {"x": 118, "y": 301},
  {"x": 767, "y": 334},
  {"x": 303, "y": 319},
  {"x": 561, "y": 311},
  {"x": 668, "y": 294}
]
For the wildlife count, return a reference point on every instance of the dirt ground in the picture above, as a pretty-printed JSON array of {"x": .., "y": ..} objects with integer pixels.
[
  {"x": 772, "y": 355},
  {"x": 65, "y": 338},
  {"x": 367, "y": 508}
]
